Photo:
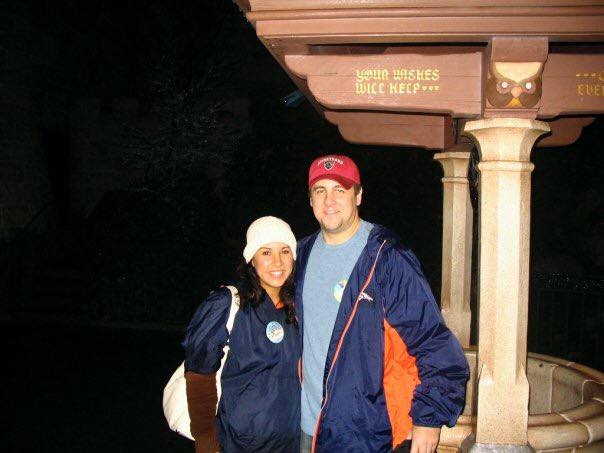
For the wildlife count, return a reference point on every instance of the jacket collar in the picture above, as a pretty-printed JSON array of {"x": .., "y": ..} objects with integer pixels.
[{"x": 377, "y": 235}]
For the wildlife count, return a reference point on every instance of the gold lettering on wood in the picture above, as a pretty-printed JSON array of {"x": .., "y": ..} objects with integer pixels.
[
  {"x": 592, "y": 88},
  {"x": 365, "y": 75},
  {"x": 401, "y": 81}
]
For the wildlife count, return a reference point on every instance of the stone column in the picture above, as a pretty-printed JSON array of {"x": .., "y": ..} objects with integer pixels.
[
  {"x": 505, "y": 201},
  {"x": 457, "y": 242}
]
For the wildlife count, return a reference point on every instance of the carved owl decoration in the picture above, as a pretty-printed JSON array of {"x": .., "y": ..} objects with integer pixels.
[{"x": 514, "y": 85}]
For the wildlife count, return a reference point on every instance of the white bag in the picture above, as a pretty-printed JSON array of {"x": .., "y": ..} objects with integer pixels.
[{"x": 174, "y": 401}]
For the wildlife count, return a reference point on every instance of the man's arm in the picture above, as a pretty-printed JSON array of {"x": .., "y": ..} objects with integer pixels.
[{"x": 442, "y": 367}]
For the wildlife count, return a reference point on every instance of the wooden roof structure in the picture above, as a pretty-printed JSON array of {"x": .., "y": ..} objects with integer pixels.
[{"x": 410, "y": 72}]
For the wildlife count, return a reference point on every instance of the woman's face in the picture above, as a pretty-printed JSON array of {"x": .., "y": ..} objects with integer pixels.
[{"x": 273, "y": 263}]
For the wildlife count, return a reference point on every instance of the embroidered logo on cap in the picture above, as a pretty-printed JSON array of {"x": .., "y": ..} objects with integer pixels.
[
  {"x": 274, "y": 332},
  {"x": 328, "y": 164}
]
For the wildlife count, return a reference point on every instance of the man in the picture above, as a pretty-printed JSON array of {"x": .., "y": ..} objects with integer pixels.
[{"x": 380, "y": 370}]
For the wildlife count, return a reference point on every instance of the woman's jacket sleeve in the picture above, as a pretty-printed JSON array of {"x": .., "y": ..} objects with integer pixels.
[
  {"x": 442, "y": 367},
  {"x": 207, "y": 333}
]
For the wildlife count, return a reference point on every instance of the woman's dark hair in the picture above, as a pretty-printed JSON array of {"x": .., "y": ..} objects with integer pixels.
[{"x": 252, "y": 293}]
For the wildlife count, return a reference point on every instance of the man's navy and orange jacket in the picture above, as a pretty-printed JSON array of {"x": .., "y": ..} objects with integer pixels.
[{"x": 391, "y": 363}]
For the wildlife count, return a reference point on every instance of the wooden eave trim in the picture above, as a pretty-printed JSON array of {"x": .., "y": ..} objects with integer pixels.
[
  {"x": 563, "y": 11},
  {"x": 273, "y": 5},
  {"x": 573, "y": 24}
]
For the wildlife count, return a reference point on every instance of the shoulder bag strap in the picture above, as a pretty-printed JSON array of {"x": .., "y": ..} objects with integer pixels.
[
  {"x": 229, "y": 326},
  {"x": 234, "y": 308}
]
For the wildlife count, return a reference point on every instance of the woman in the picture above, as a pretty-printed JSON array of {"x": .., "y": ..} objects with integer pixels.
[{"x": 259, "y": 404}]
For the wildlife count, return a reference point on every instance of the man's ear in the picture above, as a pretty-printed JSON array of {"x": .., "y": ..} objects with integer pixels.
[
  {"x": 310, "y": 201},
  {"x": 359, "y": 196}
]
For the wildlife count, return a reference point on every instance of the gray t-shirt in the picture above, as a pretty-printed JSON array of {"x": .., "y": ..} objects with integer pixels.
[{"x": 327, "y": 272}]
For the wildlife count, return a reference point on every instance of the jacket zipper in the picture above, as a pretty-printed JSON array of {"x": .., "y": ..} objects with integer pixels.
[{"x": 339, "y": 346}]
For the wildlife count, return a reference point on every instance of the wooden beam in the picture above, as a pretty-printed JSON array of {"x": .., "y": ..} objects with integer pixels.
[
  {"x": 565, "y": 131},
  {"x": 447, "y": 84},
  {"x": 394, "y": 129},
  {"x": 572, "y": 84},
  {"x": 267, "y": 5}
]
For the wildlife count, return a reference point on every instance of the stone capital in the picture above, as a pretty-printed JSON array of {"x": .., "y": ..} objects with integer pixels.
[
  {"x": 505, "y": 139},
  {"x": 455, "y": 163}
]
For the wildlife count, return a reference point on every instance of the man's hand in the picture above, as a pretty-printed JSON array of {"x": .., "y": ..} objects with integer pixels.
[{"x": 424, "y": 439}]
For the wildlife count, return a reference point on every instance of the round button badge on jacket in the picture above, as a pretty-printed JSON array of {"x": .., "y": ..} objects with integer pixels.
[
  {"x": 274, "y": 332},
  {"x": 338, "y": 290}
]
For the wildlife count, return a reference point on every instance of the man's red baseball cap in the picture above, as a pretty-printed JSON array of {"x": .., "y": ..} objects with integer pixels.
[{"x": 337, "y": 167}]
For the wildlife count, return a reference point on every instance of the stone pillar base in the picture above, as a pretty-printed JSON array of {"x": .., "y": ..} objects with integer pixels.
[
  {"x": 469, "y": 445},
  {"x": 500, "y": 448}
]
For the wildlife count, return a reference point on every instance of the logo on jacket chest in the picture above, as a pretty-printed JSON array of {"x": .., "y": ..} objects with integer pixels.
[{"x": 366, "y": 298}]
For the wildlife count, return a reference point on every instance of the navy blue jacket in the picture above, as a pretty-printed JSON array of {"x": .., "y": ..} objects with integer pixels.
[
  {"x": 259, "y": 409},
  {"x": 391, "y": 363}
]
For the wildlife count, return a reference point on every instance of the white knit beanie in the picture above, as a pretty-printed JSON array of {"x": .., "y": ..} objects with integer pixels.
[{"x": 266, "y": 230}]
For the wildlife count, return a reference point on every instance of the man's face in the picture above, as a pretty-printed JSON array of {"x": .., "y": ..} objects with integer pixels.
[{"x": 334, "y": 207}]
